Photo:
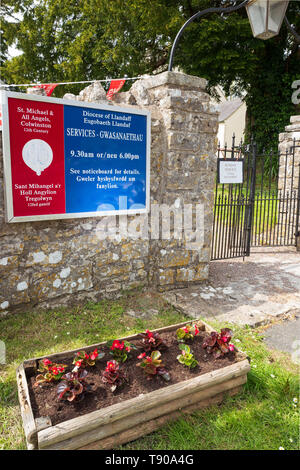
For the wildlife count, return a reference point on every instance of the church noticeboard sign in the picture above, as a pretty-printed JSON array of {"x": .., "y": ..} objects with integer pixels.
[
  {"x": 67, "y": 159},
  {"x": 230, "y": 170}
]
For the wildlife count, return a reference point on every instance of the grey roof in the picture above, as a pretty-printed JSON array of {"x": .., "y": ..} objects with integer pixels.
[{"x": 227, "y": 108}]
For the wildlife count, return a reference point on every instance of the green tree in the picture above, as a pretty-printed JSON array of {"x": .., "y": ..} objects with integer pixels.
[
  {"x": 67, "y": 40},
  {"x": 225, "y": 52}
]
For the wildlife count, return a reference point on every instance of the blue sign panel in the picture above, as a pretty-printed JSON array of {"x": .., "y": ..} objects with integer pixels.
[{"x": 105, "y": 159}]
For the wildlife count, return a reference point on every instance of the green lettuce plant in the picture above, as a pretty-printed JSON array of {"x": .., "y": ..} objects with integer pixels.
[{"x": 186, "y": 357}]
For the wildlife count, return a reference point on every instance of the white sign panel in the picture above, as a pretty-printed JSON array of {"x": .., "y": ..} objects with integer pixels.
[
  {"x": 64, "y": 159},
  {"x": 230, "y": 171}
]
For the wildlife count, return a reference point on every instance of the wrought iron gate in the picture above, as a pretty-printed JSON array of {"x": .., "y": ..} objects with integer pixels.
[{"x": 264, "y": 209}]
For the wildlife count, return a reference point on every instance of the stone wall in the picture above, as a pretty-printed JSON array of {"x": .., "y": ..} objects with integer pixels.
[
  {"x": 59, "y": 262},
  {"x": 288, "y": 177}
]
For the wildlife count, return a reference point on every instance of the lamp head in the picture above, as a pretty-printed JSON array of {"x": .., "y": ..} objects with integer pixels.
[{"x": 266, "y": 17}]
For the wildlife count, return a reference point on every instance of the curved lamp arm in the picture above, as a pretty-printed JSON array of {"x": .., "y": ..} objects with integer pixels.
[
  {"x": 291, "y": 29},
  {"x": 199, "y": 15}
]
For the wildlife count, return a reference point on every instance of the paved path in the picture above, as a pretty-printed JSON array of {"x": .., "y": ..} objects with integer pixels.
[
  {"x": 283, "y": 336},
  {"x": 254, "y": 292}
]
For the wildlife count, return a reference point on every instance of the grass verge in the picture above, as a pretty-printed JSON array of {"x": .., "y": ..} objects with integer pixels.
[{"x": 263, "y": 416}]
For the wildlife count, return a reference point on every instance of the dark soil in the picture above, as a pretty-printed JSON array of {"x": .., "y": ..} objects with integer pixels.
[{"x": 44, "y": 398}]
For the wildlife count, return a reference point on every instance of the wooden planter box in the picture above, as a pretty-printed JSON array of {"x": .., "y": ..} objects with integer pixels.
[{"x": 117, "y": 424}]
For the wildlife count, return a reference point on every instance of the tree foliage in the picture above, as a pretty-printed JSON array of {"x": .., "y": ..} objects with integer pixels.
[{"x": 68, "y": 40}]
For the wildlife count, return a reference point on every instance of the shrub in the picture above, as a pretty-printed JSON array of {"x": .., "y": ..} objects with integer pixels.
[
  {"x": 113, "y": 375},
  {"x": 186, "y": 357},
  {"x": 219, "y": 344},
  {"x": 187, "y": 332},
  {"x": 73, "y": 386},
  {"x": 152, "y": 341},
  {"x": 50, "y": 372},
  {"x": 120, "y": 349},
  {"x": 82, "y": 359},
  {"x": 152, "y": 365}
]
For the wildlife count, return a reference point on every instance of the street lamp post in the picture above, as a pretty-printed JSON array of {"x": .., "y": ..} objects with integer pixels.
[{"x": 265, "y": 16}]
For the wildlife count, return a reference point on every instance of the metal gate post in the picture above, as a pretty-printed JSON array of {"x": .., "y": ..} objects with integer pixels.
[
  {"x": 297, "y": 233},
  {"x": 251, "y": 201}
]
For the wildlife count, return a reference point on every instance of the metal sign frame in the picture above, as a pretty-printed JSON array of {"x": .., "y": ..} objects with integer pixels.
[
  {"x": 231, "y": 160},
  {"x": 6, "y": 138}
]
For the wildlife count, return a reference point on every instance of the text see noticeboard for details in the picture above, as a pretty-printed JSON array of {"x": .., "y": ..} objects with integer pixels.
[{"x": 64, "y": 160}]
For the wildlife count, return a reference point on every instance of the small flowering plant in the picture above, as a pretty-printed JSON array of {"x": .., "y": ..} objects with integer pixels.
[
  {"x": 120, "y": 349},
  {"x": 73, "y": 386},
  {"x": 113, "y": 376},
  {"x": 152, "y": 365},
  {"x": 50, "y": 372},
  {"x": 187, "y": 332},
  {"x": 82, "y": 359},
  {"x": 219, "y": 344},
  {"x": 152, "y": 341},
  {"x": 186, "y": 357}
]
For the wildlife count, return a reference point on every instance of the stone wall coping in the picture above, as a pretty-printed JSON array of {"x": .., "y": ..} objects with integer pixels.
[
  {"x": 293, "y": 127},
  {"x": 175, "y": 78},
  {"x": 292, "y": 131},
  {"x": 295, "y": 119}
]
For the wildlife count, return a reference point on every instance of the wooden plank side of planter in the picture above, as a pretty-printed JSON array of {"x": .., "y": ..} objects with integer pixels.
[
  {"x": 26, "y": 410},
  {"x": 71, "y": 352},
  {"x": 138, "y": 405},
  {"x": 140, "y": 418},
  {"x": 152, "y": 425}
]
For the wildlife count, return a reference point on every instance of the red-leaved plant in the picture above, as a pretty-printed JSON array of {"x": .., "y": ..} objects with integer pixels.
[
  {"x": 120, "y": 349},
  {"x": 113, "y": 376},
  {"x": 219, "y": 344},
  {"x": 50, "y": 372},
  {"x": 151, "y": 341},
  {"x": 82, "y": 359},
  {"x": 73, "y": 386},
  {"x": 187, "y": 332},
  {"x": 152, "y": 365}
]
